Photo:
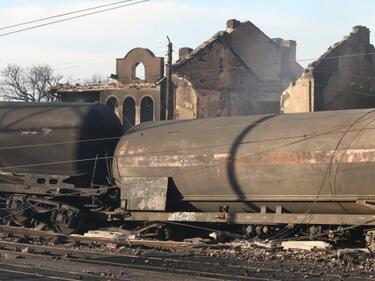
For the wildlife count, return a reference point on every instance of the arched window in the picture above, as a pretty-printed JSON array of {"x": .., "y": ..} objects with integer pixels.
[
  {"x": 139, "y": 71},
  {"x": 112, "y": 103},
  {"x": 128, "y": 113},
  {"x": 147, "y": 109}
]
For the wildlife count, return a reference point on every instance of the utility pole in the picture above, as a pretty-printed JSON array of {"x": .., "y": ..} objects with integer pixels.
[{"x": 169, "y": 91}]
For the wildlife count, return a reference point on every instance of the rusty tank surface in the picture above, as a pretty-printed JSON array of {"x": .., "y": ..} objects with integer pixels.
[
  {"x": 321, "y": 162},
  {"x": 57, "y": 138}
]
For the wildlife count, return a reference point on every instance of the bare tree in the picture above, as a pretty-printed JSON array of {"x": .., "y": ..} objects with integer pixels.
[
  {"x": 97, "y": 79},
  {"x": 28, "y": 84}
]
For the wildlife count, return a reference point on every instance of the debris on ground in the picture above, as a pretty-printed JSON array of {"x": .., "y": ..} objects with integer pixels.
[
  {"x": 309, "y": 257},
  {"x": 25, "y": 250},
  {"x": 112, "y": 235},
  {"x": 197, "y": 240},
  {"x": 223, "y": 236},
  {"x": 305, "y": 245}
]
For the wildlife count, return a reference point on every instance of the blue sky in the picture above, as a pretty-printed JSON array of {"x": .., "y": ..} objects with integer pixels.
[{"x": 83, "y": 47}]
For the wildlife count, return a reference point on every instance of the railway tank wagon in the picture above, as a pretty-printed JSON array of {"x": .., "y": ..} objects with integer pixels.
[
  {"x": 49, "y": 138},
  {"x": 55, "y": 160},
  {"x": 302, "y": 168},
  {"x": 62, "y": 162}
]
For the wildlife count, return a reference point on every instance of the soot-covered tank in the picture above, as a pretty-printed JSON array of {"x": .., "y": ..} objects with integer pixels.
[
  {"x": 320, "y": 162},
  {"x": 57, "y": 138}
]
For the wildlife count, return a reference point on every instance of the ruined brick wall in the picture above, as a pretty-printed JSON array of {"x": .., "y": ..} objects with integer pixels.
[
  {"x": 258, "y": 51},
  {"x": 222, "y": 83},
  {"x": 272, "y": 60},
  {"x": 344, "y": 82},
  {"x": 342, "y": 78},
  {"x": 238, "y": 71},
  {"x": 186, "y": 98},
  {"x": 297, "y": 97}
]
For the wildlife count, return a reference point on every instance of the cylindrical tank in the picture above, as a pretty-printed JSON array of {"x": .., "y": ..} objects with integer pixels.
[
  {"x": 57, "y": 138},
  {"x": 322, "y": 162}
]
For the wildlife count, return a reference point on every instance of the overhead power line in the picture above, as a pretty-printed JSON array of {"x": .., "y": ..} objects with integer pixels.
[
  {"x": 64, "y": 14},
  {"x": 75, "y": 17}
]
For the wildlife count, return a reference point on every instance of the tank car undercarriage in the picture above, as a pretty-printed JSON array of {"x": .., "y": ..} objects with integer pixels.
[
  {"x": 46, "y": 202},
  {"x": 266, "y": 225}
]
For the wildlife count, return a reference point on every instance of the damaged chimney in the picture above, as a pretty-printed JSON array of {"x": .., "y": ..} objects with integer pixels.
[
  {"x": 289, "y": 54},
  {"x": 183, "y": 52},
  {"x": 233, "y": 23},
  {"x": 278, "y": 41},
  {"x": 292, "y": 46},
  {"x": 363, "y": 32}
]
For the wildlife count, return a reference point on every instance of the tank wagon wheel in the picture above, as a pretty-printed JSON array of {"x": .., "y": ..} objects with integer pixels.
[
  {"x": 67, "y": 220},
  {"x": 20, "y": 220},
  {"x": 19, "y": 213}
]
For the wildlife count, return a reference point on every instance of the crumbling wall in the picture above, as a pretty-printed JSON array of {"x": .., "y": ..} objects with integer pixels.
[
  {"x": 346, "y": 81},
  {"x": 186, "y": 98},
  {"x": 223, "y": 84},
  {"x": 214, "y": 103},
  {"x": 297, "y": 97},
  {"x": 257, "y": 50},
  {"x": 239, "y": 71},
  {"x": 342, "y": 78},
  {"x": 270, "y": 59}
]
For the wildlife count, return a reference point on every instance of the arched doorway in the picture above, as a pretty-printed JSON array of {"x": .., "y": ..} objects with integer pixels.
[
  {"x": 147, "y": 109},
  {"x": 112, "y": 103},
  {"x": 129, "y": 113}
]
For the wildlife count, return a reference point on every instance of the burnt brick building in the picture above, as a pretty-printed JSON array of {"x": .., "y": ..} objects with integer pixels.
[
  {"x": 342, "y": 78},
  {"x": 133, "y": 99},
  {"x": 238, "y": 71}
]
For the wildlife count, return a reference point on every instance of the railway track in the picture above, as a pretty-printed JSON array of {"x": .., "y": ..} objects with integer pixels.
[
  {"x": 24, "y": 271},
  {"x": 179, "y": 260},
  {"x": 83, "y": 240},
  {"x": 202, "y": 269},
  {"x": 189, "y": 267}
]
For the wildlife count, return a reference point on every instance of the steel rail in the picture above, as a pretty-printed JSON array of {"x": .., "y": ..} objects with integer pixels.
[
  {"x": 52, "y": 273},
  {"x": 38, "y": 234},
  {"x": 192, "y": 265},
  {"x": 147, "y": 263}
]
